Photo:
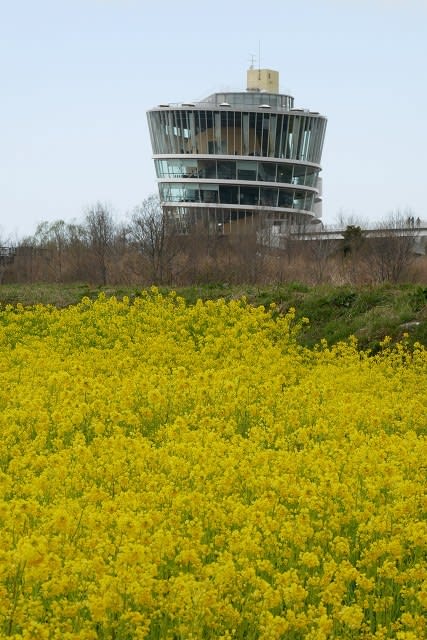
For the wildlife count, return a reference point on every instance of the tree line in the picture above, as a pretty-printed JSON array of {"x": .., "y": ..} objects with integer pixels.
[{"x": 147, "y": 249}]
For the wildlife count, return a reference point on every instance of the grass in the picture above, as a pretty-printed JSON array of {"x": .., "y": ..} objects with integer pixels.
[{"x": 335, "y": 313}]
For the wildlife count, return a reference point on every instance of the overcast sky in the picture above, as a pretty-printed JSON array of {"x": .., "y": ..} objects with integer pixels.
[{"x": 77, "y": 77}]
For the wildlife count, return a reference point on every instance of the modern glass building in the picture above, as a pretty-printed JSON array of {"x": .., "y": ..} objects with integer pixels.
[{"x": 239, "y": 158}]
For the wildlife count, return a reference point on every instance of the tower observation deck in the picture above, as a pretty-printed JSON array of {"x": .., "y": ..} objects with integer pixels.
[{"x": 238, "y": 158}]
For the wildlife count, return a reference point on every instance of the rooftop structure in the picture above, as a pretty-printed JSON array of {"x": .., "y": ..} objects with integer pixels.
[{"x": 238, "y": 158}]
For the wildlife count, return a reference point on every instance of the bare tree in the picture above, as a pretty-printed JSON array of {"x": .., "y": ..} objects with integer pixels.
[
  {"x": 155, "y": 237},
  {"x": 319, "y": 253},
  {"x": 51, "y": 239},
  {"x": 77, "y": 251},
  {"x": 25, "y": 265},
  {"x": 100, "y": 232},
  {"x": 391, "y": 249}
]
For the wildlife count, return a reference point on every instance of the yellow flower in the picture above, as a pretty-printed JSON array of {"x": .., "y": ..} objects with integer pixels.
[
  {"x": 351, "y": 616},
  {"x": 172, "y": 470}
]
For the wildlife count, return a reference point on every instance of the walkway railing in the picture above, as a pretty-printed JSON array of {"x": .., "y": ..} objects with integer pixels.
[
  {"x": 410, "y": 226},
  {"x": 7, "y": 253}
]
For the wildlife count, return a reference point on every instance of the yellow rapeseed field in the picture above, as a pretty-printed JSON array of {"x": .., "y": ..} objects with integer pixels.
[{"x": 190, "y": 472}]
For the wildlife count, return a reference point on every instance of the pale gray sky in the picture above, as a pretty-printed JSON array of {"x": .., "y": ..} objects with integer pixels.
[{"x": 78, "y": 76}]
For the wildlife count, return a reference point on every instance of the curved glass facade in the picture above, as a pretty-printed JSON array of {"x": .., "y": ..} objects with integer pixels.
[
  {"x": 237, "y": 169},
  {"x": 236, "y": 194},
  {"x": 252, "y": 99},
  {"x": 243, "y": 133},
  {"x": 249, "y": 151}
]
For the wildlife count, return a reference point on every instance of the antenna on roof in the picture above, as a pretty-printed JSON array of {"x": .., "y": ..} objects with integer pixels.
[
  {"x": 259, "y": 59},
  {"x": 252, "y": 60}
]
